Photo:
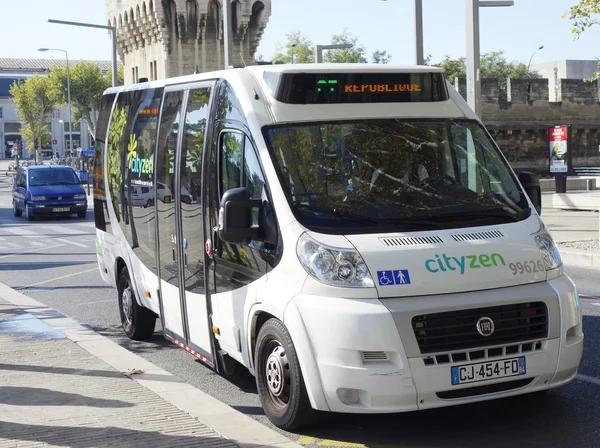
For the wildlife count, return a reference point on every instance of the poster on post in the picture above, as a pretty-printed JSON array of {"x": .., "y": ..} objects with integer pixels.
[{"x": 558, "y": 137}]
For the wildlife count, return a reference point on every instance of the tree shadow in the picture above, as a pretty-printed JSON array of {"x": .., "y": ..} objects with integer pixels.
[
  {"x": 88, "y": 437},
  {"x": 34, "y": 396}
]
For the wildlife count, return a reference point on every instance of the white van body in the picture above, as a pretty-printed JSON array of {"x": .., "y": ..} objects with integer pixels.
[{"x": 385, "y": 341}]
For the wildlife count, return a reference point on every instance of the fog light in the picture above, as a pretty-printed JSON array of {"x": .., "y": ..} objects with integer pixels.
[{"x": 348, "y": 396}]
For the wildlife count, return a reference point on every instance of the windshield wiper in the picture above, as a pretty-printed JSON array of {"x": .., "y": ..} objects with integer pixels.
[
  {"x": 416, "y": 221},
  {"x": 501, "y": 211},
  {"x": 336, "y": 213}
]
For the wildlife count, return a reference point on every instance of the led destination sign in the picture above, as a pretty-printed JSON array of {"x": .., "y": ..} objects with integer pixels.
[{"x": 329, "y": 88}]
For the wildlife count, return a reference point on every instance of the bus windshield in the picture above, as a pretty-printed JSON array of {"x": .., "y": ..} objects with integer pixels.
[{"x": 365, "y": 175}]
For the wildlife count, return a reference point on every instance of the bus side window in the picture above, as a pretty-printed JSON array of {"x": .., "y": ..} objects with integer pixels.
[{"x": 230, "y": 160}]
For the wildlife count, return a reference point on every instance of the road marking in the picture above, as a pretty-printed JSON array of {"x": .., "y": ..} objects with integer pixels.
[
  {"x": 21, "y": 232},
  {"x": 588, "y": 379},
  {"x": 32, "y": 250},
  {"x": 306, "y": 441},
  {"x": 57, "y": 278},
  {"x": 71, "y": 242},
  {"x": 36, "y": 243},
  {"x": 98, "y": 301},
  {"x": 64, "y": 230}
]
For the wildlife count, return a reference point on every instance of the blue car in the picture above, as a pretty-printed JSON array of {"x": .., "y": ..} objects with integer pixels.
[{"x": 48, "y": 190}]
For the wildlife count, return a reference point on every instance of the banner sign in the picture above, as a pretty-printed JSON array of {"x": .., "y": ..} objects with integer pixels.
[{"x": 558, "y": 136}]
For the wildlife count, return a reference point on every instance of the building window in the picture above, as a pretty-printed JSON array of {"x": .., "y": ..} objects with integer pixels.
[
  {"x": 1, "y": 113},
  {"x": 134, "y": 74},
  {"x": 155, "y": 70}
]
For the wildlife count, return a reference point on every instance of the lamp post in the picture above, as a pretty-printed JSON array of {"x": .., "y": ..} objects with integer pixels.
[
  {"x": 536, "y": 50},
  {"x": 68, "y": 94},
  {"x": 113, "y": 31},
  {"x": 227, "y": 32},
  {"x": 293, "y": 46},
  {"x": 419, "y": 54},
  {"x": 473, "y": 50},
  {"x": 319, "y": 50}
]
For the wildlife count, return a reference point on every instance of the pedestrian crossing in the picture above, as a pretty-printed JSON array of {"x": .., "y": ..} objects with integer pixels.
[{"x": 39, "y": 235}]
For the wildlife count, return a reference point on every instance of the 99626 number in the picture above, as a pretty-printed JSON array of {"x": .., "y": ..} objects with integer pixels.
[{"x": 531, "y": 266}]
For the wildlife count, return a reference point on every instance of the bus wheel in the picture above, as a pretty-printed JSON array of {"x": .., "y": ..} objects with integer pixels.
[
  {"x": 138, "y": 322},
  {"x": 278, "y": 378}
]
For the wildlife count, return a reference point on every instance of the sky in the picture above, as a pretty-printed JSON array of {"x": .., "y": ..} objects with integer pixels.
[{"x": 378, "y": 25}]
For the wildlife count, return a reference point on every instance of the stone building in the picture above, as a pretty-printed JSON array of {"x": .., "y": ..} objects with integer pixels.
[
  {"x": 159, "y": 39},
  {"x": 520, "y": 123}
]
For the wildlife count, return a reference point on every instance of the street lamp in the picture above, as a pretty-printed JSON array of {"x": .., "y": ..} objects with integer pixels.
[
  {"x": 113, "y": 31},
  {"x": 536, "y": 50},
  {"x": 68, "y": 94},
  {"x": 420, "y": 55},
  {"x": 473, "y": 51},
  {"x": 319, "y": 50}
]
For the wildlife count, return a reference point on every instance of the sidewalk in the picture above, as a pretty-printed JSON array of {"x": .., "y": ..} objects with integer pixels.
[
  {"x": 62, "y": 384},
  {"x": 576, "y": 233}
]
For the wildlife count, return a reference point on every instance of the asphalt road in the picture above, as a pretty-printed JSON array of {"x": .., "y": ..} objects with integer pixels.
[{"x": 54, "y": 262}]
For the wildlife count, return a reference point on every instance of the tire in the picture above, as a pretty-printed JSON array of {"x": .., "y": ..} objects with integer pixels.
[
  {"x": 16, "y": 211},
  {"x": 279, "y": 379},
  {"x": 28, "y": 213},
  {"x": 167, "y": 199},
  {"x": 138, "y": 322},
  {"x": 82, "y": 215},
  {"x": 150, "y": 203}
]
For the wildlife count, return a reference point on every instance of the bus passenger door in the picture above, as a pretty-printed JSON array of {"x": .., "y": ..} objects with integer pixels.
[
  {"x": 168, "y": 250},
  {"x": 189, "y": 171}
]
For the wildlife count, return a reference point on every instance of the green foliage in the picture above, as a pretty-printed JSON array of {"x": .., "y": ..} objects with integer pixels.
[
  {"x": 34, "y": 106},
  {"x": 493, "y": 65},
  {"x": 87, "y": 85},
  {"x": 381, "y": 57},
  {"x": 356, "y": 54},
  {"x": 584, "y": 15},
  {"x": 297, "y": 45},
  {"x": 303, "y": 50}
]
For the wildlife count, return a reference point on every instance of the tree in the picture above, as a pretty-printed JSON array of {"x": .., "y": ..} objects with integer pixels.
[
  {"x": 298, "y": 46},
  {"x": 493, "y": 65},
  {"x": 34, "y": 106},
  {"x": 356, "y": 54},
  {"x": 381, "y": 57},
  {"x": 584, "y": 15},
  {"x": 87, "y": 85}
]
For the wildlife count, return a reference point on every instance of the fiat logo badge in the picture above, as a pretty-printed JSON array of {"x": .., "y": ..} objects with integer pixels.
[{"x": 485, "y": 326}]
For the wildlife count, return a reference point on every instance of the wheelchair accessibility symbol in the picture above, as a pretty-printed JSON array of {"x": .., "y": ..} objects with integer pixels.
[{"x": 395, "y": 277}]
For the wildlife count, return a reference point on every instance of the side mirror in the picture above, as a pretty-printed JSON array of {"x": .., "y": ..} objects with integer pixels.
[
  {"x": 235, "y": 217},
  {"x": 531, "y": 185}
]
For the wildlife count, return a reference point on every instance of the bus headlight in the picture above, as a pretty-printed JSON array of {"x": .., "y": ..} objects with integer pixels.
[
  {"x": 547, "y": 246},
  {"x": 333, "y": 266}
]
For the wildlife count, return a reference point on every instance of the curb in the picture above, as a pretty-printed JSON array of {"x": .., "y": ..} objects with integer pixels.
[
  {"x": 223, "y": 419},
  {"x": 580, "y": 258}
]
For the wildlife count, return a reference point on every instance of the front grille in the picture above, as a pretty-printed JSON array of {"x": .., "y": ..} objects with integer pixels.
[
  {"x": 456, "y": 330},
  {"x": 55, "y": 198},
  {"x": 482, "y": 390},
  {"x": 482, "y": 354}
]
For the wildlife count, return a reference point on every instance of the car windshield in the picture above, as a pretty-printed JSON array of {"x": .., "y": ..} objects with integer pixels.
[
  {"x": 52, "y": 176},
  {"x": 361, "y": 176}
]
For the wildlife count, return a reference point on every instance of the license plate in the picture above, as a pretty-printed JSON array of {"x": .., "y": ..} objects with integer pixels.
[
  {"x": 482, "y": 371},
  {"x": 61, "y": 209}
]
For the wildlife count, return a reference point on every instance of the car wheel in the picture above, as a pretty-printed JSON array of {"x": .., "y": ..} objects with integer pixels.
[
  {"x": 16, "y": 210},
  {"x": 167, "y": 199},
  {"x": 138, "y": 322},
  {"x": 82, "y": 215},
  {"x": 278, "y": 378},
  {"x": 28, "y": 213}
]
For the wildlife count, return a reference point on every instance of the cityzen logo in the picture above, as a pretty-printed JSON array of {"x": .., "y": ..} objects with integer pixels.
[
  {"x": 444, "y": 263},
  {"x": 141, "y": 166}
]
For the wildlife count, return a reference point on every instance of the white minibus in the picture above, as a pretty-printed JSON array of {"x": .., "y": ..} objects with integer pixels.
[{"x": 351, "y": 234}]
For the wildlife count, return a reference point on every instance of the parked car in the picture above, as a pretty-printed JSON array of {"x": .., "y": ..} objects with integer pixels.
[
  {"x": 164, "y": 194},
  {"x": 45, "y": 190},
  {"x": 141, "y": 195}
]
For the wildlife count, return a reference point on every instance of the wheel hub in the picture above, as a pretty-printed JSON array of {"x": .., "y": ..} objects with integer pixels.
[
  {"x": 127, "y": 304},
  {"x": 275, "y": 369}
]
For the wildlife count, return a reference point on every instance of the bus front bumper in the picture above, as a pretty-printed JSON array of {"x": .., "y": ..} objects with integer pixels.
[{"x": 360, "y": 356}]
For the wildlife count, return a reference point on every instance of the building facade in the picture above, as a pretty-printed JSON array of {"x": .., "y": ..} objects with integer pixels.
[
  {"x": 15, "y": 70},
  {"x": 159, "y": 39},
  {"x": 554, "y": 71}
]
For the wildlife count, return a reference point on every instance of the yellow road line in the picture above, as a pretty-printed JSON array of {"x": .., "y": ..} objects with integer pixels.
[
  {"x": 32, "y": 250},
  {"x": 59, "y": 278},
  {"x": 306, "y": 440},
  {"x": 339, "y": 443}
]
